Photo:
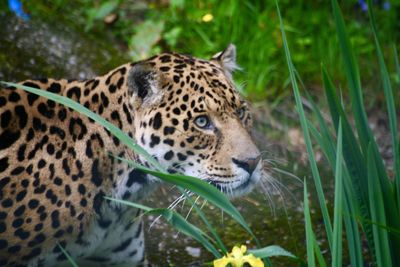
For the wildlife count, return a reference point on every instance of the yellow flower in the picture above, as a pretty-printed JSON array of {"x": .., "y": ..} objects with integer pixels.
[
  {"x": 237, "y": 258},
  {"x": 207, "y": 17}
]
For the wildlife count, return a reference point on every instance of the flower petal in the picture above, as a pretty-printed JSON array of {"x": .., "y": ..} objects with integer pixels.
[
  {"x": 207, "y": 17},
  {"x": 253, "y": 261},
  {"x": 221, "y": 262},
  {"x": 237, "y": 252}
]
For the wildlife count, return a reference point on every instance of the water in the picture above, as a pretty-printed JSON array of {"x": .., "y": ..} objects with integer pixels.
[{"x": 36, "y": 49}]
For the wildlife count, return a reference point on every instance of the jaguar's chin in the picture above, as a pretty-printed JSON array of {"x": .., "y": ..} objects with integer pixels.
[{"x": 237, "y": 187}]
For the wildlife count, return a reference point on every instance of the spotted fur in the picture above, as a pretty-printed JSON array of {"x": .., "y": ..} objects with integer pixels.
[{"x": 56, "y": 168}]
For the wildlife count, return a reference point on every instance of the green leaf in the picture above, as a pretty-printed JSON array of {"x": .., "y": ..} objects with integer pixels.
[
  {"x": 172, "y": 36},
  {"x": 364, "y": 132},
  {"x": 317, "y": 250},
  {"x": 218, "y": 239},
  {"x": 382, "y": 247},
  {"x": 351, "y": 153},
  {"x": 387, "y": 88},
  {"x": 352, "y": 232},
  {"x": 390, "y": 204},
  {"x": 307, "y": 139},
  {"x": 309, "y": 232},
  {"x": 271, "y": 251},
  {"x": 324, "y": 139},
  {"x": 69, "y": 258},
  {"x": 105, "y": 9},
  {"x": 177, "y": 3},
  {"x": 338, "y": 207},
  {"x": 98, "y": 13},
  {"x": 396, "y": 62},
  {"x": 353, "y": 77},
  {"x": 177, "y": 221},
  {"x": 147, "y": 35}
]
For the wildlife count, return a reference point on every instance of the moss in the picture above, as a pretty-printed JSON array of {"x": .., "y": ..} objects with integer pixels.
[{"x": 36, "y": 49}]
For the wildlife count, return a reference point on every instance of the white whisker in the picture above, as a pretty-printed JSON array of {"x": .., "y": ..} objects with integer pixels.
[
  {"x": 191, "y": 208},
  {"x": 203, "y": 204},
  {"x": 268, "y": 198},
  {"x": 288, "y": 174}
]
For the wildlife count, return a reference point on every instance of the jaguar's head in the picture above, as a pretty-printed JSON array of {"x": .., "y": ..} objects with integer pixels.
[{"x": 189, "y": 116}]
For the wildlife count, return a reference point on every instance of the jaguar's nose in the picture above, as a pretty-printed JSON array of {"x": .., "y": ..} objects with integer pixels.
[{"x": 249, "y": 164}]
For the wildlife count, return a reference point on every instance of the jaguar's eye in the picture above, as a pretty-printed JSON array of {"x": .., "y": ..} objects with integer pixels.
[
  {"x": 202, "y": 121},
  {"x": 241, "y": 113}
]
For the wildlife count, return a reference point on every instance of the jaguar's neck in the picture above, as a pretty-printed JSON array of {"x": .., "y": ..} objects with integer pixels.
[{"x": 107, "y": 96}]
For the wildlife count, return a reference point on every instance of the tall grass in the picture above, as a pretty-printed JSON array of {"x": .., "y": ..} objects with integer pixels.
[
  {"x": 252, "y": 25},
  {"x": 365, "y": 195}
]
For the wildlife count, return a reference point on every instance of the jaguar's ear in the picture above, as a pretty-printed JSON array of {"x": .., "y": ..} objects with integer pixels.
[
  {"x": 227, "y": 59},
  {"x": 144, "y": 84}
]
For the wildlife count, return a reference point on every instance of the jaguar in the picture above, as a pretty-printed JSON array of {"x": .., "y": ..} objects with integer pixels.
[{"x": 57, "y": 165}]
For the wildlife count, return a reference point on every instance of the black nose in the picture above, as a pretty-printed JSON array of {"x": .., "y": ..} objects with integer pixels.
[{"x": 249, "y": 164}]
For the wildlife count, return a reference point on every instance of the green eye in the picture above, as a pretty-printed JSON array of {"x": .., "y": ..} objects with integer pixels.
[
  {"x": 241, "y": 113},
  {"x": 202, "y": 121}
]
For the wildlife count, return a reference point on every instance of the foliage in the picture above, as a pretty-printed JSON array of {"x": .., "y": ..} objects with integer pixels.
[
  {"x": 204, "y": 27},
  {"x": 364, "y": 192}
]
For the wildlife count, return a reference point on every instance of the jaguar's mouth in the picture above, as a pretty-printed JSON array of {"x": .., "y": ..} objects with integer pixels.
[{"x": 235, "y": 187}]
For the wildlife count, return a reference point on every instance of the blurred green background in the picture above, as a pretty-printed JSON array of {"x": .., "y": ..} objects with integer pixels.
[{"x": 140, "y": 29}]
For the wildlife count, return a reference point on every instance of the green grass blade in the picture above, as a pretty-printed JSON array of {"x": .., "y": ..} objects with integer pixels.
[
  {"x": 303, "y": 122},
  {"x": 356, "y": 164},
  {"x": 382, "y": 247},
  {"x": 395, "y": 231},
  {"x": 396, "y": 62},
  {"x": 318, "y": 254},
  {"x": 390, "y": 190},
  {"x": 338, "y": 206},
  {"x": 324, "y": 135},
  {"x": 132, "y": 204},
  {"x": 389, "y": 200},
  {"x": 69, "y": 258},
  {"x": 364, "y": 132},
  {"x": 388, "y": 91},
  {"x": 353, "y": 77},
  {"x": 218, "y": 239},
  {"x": 177, "y": 221},
  {"x": 350, "y": 211},
  {"x": 351, "y": 152},
  {"x": 309, "y": 232},
  {"x": 124, "y": 138}
]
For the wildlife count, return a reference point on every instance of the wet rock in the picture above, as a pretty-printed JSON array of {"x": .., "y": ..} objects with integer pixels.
[
  {"x": 193, "y": 251},
  {"x": 36, "y": 49}
]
